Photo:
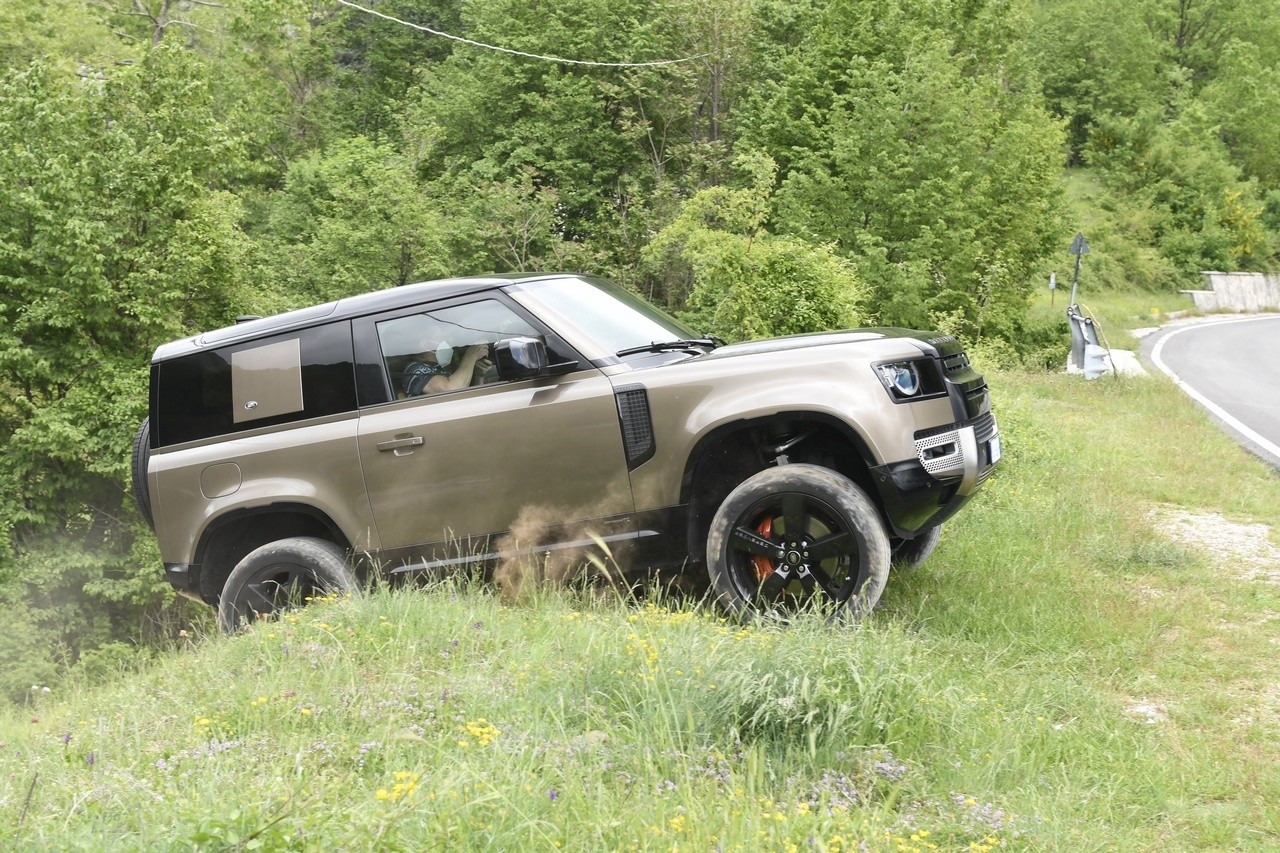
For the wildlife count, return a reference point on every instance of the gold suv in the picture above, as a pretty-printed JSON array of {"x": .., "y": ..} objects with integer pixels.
[{"x": 420, "y": 429}]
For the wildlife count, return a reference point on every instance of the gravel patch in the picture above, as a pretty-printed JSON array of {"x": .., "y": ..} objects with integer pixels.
[
  {"x": 1148, "y": 713},
  {"x": 1245, "y": 550}
]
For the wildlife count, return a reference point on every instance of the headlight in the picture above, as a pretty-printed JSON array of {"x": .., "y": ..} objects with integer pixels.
[
  {"x": 910, "y": 380},
  {"x": 902, "y": 378}
]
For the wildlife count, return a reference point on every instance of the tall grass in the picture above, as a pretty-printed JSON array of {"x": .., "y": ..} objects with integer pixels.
[{"x": 1058, "y": 676}]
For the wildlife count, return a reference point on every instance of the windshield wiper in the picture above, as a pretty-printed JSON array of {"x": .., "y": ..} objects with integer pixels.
[{"x": 667, "y": 346}]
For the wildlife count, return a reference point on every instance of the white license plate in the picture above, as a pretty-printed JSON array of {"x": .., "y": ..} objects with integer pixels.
[{"x": 994, "y": 444}]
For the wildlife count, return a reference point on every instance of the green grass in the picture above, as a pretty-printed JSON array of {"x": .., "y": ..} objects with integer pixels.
[{"x": 993, "y": 701}]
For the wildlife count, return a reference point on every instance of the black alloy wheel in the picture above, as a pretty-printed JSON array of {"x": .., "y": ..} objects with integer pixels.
[
  {"x": 280, "y": 575},
  {"x": 796, "y": 537}
]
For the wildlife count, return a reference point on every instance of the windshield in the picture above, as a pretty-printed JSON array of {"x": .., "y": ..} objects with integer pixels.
[{"x": 615, "y": 318}]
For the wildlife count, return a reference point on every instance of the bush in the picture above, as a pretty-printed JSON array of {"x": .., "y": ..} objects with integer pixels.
[{"x": 747, "y": 283}]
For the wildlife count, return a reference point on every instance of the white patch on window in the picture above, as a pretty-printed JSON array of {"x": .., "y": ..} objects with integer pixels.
[{"x": 266, "y": 381}]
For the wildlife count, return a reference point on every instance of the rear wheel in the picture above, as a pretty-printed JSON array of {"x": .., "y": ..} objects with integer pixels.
[
  {"x": 796, "y": 537},
  {"x": 282, "y": 574}
]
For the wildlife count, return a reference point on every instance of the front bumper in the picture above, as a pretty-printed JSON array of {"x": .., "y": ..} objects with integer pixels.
[
  {"x": 968, "y": 452},
  {"x": 951, "y": 463}
]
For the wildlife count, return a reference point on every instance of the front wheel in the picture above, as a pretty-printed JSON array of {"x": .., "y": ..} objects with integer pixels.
[
  {"x": 282, "y": 574},
  {"x": 798, "y": 536},
  {"x": 910, "y": 553}
]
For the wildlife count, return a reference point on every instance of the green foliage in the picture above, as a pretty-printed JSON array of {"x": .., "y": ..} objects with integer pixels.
[
  {"x": 369, "y": 63},
  {"x": 745, "y": 282},
  {"x": 353, "y": 219},
  {"x": 29, "y": 648},
  {"x": 1174, "y": 103},
  {"x": 1244, "y": 103},
  {"x": 515, "y": 223},
  {"x": 935, "y": 175},
  {"x": 1201, "y": 212},
  {"x": 71, "y": 34},
  {"x": 609, "y": 142},
  {"x": 111, "y": 241},
  {"x": 1095, "y": 58}
]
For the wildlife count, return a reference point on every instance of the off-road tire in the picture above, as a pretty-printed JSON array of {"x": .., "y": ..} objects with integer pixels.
[
  {"x": 832, "y": 552},
  {"x": 141, "y": 458},
  {"x": 910, "y": 553},
  {"x": 282, "y": 574}
]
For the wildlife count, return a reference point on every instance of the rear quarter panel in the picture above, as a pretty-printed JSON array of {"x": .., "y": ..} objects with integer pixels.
[{"x": 315, "y": 464}]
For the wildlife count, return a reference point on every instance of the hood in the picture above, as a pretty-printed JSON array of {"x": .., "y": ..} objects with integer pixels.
[{"x": 944, "y": 344}]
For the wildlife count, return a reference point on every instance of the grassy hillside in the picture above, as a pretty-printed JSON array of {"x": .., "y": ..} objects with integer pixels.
[{"x": 1060, "y": 676}]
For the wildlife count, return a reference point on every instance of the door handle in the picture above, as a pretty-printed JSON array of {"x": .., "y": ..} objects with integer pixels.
[{"x": 398, "y": 443}]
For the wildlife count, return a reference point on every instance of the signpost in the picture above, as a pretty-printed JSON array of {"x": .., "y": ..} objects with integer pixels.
[
  {"x": 1078, "y": 342},
  {"x": 1078, "y": 247}
]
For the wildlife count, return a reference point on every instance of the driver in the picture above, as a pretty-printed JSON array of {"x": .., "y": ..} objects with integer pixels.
[{"x": 432, "y": 372}]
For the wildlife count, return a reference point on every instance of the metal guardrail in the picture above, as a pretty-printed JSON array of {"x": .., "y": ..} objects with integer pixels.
[{"x": 1088, "y": 356}]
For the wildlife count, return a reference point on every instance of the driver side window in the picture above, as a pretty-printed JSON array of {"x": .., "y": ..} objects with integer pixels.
[{"x": 447, "y": 349}]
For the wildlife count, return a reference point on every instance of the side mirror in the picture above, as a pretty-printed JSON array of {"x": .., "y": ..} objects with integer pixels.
[{"x": 520, "y": 358}]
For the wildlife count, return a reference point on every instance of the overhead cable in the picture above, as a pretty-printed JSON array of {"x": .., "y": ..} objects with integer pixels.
[{"x": 508, "y": 50}]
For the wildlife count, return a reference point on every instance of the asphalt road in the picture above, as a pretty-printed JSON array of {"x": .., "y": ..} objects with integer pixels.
[{"x": 1231, "y": 367}]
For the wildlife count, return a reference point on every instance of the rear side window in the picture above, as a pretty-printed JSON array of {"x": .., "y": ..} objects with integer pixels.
[{"x": 276, "y": 380}]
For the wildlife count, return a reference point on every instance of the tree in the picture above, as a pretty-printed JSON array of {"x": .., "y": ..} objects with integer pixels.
[
  {"x": 353, "y": 219},
  {"x": 744, "y": 282},
  {"x": 72, "y": 35},
  {"x": 113, "y": 238},
  {"x": 619, "y": 146},
  {"x": 1244, "y": 102},
  {"x": 919, "y": 149},
  {"x": 1193, "y": 32},
  {"x": 1096, "y": 58}
]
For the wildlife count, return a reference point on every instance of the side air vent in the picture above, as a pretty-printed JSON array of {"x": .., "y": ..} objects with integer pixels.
[
  {"x": 637, "y": 425},
  {"x": 953, "y": 364}
]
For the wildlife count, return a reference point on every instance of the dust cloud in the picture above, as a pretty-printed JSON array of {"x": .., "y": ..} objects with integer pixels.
[{"x": 541, "y": 550}]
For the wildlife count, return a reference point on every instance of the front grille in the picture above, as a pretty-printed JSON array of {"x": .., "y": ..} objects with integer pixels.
[
  {"x": 984, "y": 428},
  {"x": 959, "y": 450}
]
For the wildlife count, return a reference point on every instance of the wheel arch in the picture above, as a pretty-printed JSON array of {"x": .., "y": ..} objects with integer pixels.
[
  {"x": 231, "y": 537},
  {"x": 727, "y": 455}
]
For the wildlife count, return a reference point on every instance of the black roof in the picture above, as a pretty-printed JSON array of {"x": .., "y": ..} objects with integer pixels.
[{"x": 344, "y": 309}]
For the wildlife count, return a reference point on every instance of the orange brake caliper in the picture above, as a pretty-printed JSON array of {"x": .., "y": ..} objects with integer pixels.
[{"x": 764, "y": 566}]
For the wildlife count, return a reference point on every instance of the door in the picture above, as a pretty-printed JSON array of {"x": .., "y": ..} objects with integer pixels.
[{"x": 464, "y": 460}]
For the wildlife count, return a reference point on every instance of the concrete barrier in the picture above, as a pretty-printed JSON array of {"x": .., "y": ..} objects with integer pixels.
[{"x": 1237, "y": 291}]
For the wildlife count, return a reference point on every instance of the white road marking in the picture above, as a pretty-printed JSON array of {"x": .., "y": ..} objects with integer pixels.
[{"x": 1213, "y": 407}]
